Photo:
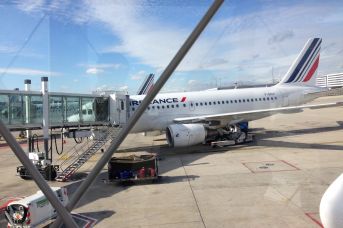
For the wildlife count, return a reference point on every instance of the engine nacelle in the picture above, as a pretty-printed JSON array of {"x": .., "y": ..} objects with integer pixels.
[{"x": 179, "y": 135}]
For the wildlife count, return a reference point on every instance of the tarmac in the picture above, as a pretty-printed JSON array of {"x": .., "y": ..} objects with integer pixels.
[{"x": 276, "y": 181}]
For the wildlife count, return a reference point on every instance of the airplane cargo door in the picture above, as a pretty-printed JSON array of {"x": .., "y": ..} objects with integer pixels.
[{"x": 285, "y": 101}]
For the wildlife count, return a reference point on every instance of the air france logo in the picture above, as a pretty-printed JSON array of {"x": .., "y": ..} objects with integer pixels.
[{"x": 160, "y": 101}]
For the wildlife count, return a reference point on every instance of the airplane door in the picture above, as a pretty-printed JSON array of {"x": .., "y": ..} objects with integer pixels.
[
  {"x": 119, "y": 109},
  {"x": 191, "y": 105}
]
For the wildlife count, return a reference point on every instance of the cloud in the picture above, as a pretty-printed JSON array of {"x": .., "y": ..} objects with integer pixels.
[
  {"x": 8, "y": 49},
  {"x": 138, "y": 76},
  {"x": 281, "y": 36},
  {"x": 94, "y": 71},
  {"x": 240, "y": 46},
  {"x": 99, "y": 68},
  {"x": 27, "y": 72},
  {"x": 124, "y": 88}
]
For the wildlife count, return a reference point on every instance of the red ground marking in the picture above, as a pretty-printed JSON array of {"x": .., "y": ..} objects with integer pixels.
[
  {"x": 310, "y": 215},
  {"x": 265, "y": 171}
]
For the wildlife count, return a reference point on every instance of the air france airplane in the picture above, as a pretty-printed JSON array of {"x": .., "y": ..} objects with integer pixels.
[{"x": 191, "y": 118}]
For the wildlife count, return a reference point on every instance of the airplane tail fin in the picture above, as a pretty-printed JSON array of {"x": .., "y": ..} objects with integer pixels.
[{"x": 304, "y": 69}]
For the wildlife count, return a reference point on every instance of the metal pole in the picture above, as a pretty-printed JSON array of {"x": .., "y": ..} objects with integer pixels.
[
  {"x": 45, "y": 96},
  {"x": 36, "y": 176},
  {"x": 27, "y": 83},
  {"x": 141, "y": 108}
]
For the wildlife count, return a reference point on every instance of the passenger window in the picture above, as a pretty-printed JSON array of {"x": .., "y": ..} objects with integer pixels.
[
  {"x": 214, "y": 102},
  {"x": 162, "y": 106},
  {"x": 153, "y": 107},
  {"x": 205, "y": 103},
  {"x": 209, "y": 103},
  {"x": 196, "y": 104},
  {"x": 243, "y": 100},
  {"x": 177, "y": 105},
  {"x": 167, "y": 106},
  {"x": 84, "y": 112},
  {"x": 227, "y": 102},
  {"x": 239, "y": 101},
  {"x": 235, "y": 101},
  {"x": 158, "y": 107},
  {"x": 133, "y": 109},
  {"x": 184, "y": 105},
  {"x": 259, "y": 99},
  {"x": 201, "y": 103},
  {"x": 172, "y": 106},
  {"x": 264, "y": 99},
  {"x": 223, "y": 102},
  {"x": 275, "y": 98},
  {"x": 90, "y": 112}
]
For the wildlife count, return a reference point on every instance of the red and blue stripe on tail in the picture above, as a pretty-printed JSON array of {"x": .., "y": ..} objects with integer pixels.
[{"x": 305, "y": 66}]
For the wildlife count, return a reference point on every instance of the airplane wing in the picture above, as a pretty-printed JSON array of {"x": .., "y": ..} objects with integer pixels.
[{"x": 252, "y": 115}]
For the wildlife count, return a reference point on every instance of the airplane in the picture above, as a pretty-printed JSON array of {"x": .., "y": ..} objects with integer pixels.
[{"x": 191, "y": 118}]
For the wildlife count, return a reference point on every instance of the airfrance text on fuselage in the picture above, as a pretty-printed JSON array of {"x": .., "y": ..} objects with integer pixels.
[{"x": 158, "y": 101}]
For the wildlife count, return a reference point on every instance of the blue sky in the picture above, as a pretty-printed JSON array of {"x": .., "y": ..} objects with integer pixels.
[{"x": 88, "y": 45}]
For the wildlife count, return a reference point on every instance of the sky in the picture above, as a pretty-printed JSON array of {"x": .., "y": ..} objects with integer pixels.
[{"x": 89, "y": 45}]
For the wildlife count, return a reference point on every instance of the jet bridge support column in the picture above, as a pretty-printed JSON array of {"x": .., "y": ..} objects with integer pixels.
[
  {"x": 27, "y": 83},
  {"x": 45, "y": 96}
]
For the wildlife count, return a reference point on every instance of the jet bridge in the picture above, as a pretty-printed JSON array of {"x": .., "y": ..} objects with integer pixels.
[{"x": 23, "y": 110}]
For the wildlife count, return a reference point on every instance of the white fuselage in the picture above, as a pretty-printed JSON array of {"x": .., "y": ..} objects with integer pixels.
[{"x": 169, "y": 106}]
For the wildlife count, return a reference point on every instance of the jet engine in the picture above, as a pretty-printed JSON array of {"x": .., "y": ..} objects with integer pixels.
[{"x": 179, "y": 135}]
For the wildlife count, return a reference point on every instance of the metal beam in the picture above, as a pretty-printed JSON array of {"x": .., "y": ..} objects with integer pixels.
[
  {"x": 36, "y": 176},
  {"x": 141, "y": 108}
]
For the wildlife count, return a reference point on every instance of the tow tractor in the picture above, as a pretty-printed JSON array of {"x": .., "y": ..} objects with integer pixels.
[{"x": 34, "y": 210}]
